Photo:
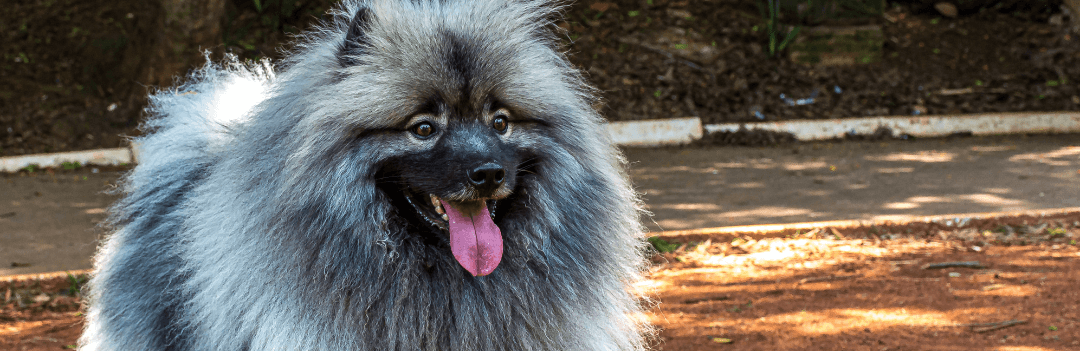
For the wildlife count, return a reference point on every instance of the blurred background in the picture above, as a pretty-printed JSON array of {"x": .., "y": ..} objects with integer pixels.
[{"x": 76, "y": 74}]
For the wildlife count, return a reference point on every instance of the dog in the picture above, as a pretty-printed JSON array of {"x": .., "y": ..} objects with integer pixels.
[{"x": 415, "y": 175}]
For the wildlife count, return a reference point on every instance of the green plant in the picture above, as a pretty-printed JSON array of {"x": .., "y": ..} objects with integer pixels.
[
  {"x": 778, "y": 36},
  {"x": 75, "y": 284},
  {"x": 661, "y": 245}
]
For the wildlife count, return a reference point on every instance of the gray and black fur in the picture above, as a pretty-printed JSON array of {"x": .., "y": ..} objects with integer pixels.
[{"x": 271, "y": 210}]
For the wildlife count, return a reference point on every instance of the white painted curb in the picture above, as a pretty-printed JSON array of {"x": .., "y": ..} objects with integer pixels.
[
  {"x": 99, "y": 157},
  {"x": 928, "y": 126},
  {"x": 656, "y": 132}
]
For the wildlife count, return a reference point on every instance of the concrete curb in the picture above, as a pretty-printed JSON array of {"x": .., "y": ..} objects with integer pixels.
[
  {"x": 677, "y": 131},
  {"x": 927, "y": 126},
  {"x": 656, "y": 132},
  {"x": 949, "y": 220},
  {"x": 100, "y": 157}
]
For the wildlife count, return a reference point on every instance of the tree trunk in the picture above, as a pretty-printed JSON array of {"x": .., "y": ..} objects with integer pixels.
[{"x": 189, "y": 28}]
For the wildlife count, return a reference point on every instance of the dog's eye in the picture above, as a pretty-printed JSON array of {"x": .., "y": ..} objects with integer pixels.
[
  {"x": 423, "y": 129},
  {"x": 500, "y": 123}
]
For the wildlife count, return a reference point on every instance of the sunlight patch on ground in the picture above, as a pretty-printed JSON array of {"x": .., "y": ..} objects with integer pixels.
[
  {"x": 835, "y": 321},
  {"x": 17, "y": 327},
  {"x": 982, "y": 199},
  {"x": 779, "y": 258},
  {"x": 754, "y": 258},
  {"x": 691, "y": 207},
  {"x": 891, "y": 170},
  {"x": 730, "y": 165},
  {"x": 800, "y": 166},
  {"x": 748, "y": 185},
  {"x": 989, "y": 199},
  {"x": 929, "y": 156},
  {"x": 999, "y": 290},
  {"x": 677, "y": 169},
  {"x": 815, "y": 192},
  {"x": 768, "y": 212},
  {"x": 773, "y": 213},
  {"x": 1050, "y": 158},
  {"x": 900, "y": 205}
]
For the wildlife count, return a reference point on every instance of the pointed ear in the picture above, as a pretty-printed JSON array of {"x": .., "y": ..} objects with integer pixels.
[{"x": 355, "y": 39}]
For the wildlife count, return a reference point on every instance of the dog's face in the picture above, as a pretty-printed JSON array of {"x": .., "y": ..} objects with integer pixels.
[
  {"x": 461, "y": 165},
  {"x": 453, "y": 123}
]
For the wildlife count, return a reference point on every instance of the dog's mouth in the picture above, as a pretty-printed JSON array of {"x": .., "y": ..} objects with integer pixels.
[
  {"x": 431, "y": 209},
  {"x": 475, "y": 240}
]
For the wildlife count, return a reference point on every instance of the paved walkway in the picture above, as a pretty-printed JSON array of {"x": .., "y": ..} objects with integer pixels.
[
  {"x": 713, "y": 187},
  {"x": 49, "y": 222}
]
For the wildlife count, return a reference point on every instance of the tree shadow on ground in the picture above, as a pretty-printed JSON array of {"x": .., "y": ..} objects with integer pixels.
[{"x": 865, "y": 294}]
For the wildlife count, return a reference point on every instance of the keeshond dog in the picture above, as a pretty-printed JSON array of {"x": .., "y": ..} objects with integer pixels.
[{"x": 416, "y": 175}]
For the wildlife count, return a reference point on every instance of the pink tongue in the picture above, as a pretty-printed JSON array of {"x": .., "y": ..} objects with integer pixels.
[{"x": 475, "y": 240}]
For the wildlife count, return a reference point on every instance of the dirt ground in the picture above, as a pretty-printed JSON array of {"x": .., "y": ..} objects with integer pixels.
[
  {"x": 825, "y": 289},
  {"x": 865, "y": 291},
  {"x": 72, "y": 70}
]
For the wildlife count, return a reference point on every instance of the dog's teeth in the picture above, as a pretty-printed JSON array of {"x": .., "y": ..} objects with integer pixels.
[
  {"x": 437, "y": 204},
  {"x": 445, "y": 218}
]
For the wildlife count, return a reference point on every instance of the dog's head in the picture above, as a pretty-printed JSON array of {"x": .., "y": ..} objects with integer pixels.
[{"x": 455, "y": 113}]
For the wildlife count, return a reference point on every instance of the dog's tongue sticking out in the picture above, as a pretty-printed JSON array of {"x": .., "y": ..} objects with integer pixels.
[{"x": 475, "y": 240}]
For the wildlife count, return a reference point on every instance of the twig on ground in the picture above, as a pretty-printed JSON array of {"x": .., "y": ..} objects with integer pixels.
[
  {"x": 962, "y": 264},
  {"x": 827, "y": 278},
  {"x": 985, "y": 327}
]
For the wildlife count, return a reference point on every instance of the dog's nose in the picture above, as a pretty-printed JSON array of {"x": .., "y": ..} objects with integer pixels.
[{"x": 488, "y": 175}]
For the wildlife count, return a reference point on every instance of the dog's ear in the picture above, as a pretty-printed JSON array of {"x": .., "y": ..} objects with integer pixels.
[{"x": 355, "y": 39}]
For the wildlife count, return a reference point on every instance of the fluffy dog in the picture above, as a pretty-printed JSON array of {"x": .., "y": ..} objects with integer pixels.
[{"x": 416, "y": 175}]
